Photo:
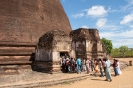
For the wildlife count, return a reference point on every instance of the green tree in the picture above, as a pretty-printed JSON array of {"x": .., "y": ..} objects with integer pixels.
[
  {"x": 115, "y": 52},
  {"x": 130, "y": 52},
  {"x": 107, "y": 44},
  {"x": 123, "y": 50}
]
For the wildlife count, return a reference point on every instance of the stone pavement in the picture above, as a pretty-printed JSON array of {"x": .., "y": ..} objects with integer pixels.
[{"x": 30, "y": 79}]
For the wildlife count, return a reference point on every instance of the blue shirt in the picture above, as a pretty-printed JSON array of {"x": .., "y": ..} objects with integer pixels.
[{"x": 78, "y": 61}]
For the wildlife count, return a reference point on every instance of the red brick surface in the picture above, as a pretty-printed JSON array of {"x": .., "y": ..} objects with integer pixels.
[{"x": 27, "y": 20}]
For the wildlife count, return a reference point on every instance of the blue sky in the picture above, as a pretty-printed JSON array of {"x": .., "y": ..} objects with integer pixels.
[{"x": 112, "y": 18}]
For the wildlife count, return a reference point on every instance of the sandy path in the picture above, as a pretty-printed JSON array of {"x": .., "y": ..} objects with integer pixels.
[{"x": 123, "y": 81}]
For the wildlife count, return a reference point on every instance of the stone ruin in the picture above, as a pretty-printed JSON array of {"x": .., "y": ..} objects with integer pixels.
[
  {"x": 48, "y": 50},
  {"x": 87, "y": 43},
  {"x": 23, "y": 22},
  {"x": 83, "y": 43}
]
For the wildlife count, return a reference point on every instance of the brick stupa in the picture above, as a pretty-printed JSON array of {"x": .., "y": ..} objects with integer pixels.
[{"x": 22, "y": 23}]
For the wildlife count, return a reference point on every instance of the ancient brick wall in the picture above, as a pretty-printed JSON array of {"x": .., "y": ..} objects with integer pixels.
[{"x": 22, "y": 23}]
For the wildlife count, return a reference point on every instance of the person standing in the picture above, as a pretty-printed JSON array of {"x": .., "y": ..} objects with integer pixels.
[
  {"x": 104, "y": 66},
  {"x": 108, "y": 74},
  {"x": 100, "y": 67},
  {"x": 87, "y": 64},
  {"x": 92, "y": 65},
  {"x": 63, "y": 63},
  {"x": 115, "y": 65},
  {"x": 96, "y": 68},
  {"x": 79, "y": 65},
  {"x": 84, "y": 66},
  {"x": 95, "y": 64},
  {"x": 73, "y": 65},
  {"x": 70, "y": 65},
  {"x": 118, "y": 68},
  {"x": 66, "y": 64}
]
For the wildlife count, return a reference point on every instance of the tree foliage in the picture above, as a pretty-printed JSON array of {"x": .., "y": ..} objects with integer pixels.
[
  {"x": 107, "y": 44},
  {"x": 122, "y": 51},
  {"x": 115, "y": 52}
]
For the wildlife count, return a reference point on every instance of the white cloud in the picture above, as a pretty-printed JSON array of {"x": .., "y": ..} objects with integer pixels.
[
  {"x": 107, "y": 35},
  {"x": 84, "y": 26},
  {"x": 101, "y": 22},
  {"x": 119, "y": 38},
  {"x": 78, "y": 15},
  {"x": 110, "y": 27},
  {"x": 96, "y": 11},
  {"x": 123, "y": 42},
  {"x": 118, "y": 34},
  {"x": 127, "y": 33},
  {"x": 127, "y": 19}
]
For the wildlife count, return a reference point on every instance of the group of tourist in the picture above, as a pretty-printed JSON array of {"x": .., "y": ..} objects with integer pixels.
[
  {"x": 71, "y": 65},
  {"x": 98, "y": 66}
]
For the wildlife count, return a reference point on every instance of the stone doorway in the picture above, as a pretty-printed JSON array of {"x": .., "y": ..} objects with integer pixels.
[{"x": 64, "y": 54}]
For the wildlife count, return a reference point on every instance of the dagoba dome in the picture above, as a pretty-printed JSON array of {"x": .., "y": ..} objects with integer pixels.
[{"x": 25, "y": 21}]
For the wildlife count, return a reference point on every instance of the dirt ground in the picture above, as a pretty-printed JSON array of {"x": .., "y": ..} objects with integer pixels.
[{"x": 123, "y": 81}]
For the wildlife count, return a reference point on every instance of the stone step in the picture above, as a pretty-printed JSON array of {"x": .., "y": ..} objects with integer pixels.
[
  {"x": 17, "y": 54},
  {"x": 15, "y": 62},
  {"x": 18, "y": 51},
  {"x": 15, "y": 44},
  {"x": 17, "y": 58}
]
